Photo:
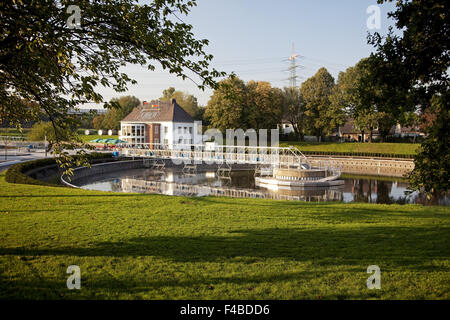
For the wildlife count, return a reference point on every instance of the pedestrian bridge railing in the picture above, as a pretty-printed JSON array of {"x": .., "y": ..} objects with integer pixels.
[{"x": 198, "y": 153}]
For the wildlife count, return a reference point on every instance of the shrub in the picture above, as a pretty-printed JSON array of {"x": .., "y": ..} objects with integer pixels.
[
  {"x": 16, "y": 174},
  {"x": 40, "y": 130}
]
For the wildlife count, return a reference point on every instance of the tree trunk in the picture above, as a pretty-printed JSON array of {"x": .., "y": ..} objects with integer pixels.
[
  {"x": 370, "y": 135},
  {"x": 319, "y": 135},
  {"x": 302, "y": 136},
  {"x": 298, "y": 133}
]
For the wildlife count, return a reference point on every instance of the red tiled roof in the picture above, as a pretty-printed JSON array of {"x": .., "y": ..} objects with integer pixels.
[{"x": 158, "y": 111}]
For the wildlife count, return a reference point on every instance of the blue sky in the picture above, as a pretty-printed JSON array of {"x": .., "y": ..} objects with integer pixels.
[{"x": 254, "y": 37}]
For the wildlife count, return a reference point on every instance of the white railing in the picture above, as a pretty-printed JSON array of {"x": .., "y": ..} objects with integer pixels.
[
  {"x": 219, "y": 153},
  {"x": 272, "y": 156}
]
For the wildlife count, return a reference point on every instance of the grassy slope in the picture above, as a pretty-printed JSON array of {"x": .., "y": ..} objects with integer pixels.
[
  {"x": 96, "y": 136},
  {"x": 389, "y": 148},
  {"x": 153, "y": 247},
  {"x": 15, "y": 132}
]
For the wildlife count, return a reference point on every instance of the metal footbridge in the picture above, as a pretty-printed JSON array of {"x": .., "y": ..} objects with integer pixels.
[{"x": 190, "y": 153}]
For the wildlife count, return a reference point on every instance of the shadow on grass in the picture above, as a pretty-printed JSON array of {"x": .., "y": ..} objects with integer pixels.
[
  {"x": 395, "y": 246},
  {"x": 202, "y": 287}
]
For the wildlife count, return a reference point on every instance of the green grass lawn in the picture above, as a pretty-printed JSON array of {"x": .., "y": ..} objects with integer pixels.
[
  {"x": 14, "y": 132},
  {"x": 85, "y": 138},
  {"x": 135, "y": 246},
  {"x": 385, "y": 148},
  {"x": 96, "y": 136}
]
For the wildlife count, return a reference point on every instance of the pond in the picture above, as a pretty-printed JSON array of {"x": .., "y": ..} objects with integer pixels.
[{"x": 241, "y": 184}]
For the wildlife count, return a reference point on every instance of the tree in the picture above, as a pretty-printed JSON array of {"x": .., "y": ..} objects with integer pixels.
[
  {"x": 59, "y": 65},
  {"x": 368, "y": 120},
  {"x": 226, "y": 107},
  {"x": 253, "y": 105},
  {"x": 323, "y": 117},
  {"x": 294, "y": 111},
  {"x": 124, "y": 105},
  {"x": 263, "y": 105},
  {"x": 412, "y": 68},
  {"x": 358, "y": 95},
  {"x": 413, "y": 120},
  {"x": 97, "y": 122},
  {"x": 86, "y": 119},
  {"x": 44, "y": 130},
  {"x": 200, "y": 115},
  {"x": 378, "y": 98},
  {"x": 432, "y": 163},
  {"x": 187, "y": 101},
  {"x": 110, "y": 120}
]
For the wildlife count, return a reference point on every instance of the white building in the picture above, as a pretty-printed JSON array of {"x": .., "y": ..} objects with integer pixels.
[{"x": 159, "y": 122}]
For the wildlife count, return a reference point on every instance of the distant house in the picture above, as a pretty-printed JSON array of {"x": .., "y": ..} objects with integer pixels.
[
  {"x": 349, "y": 132},
  {"x": 159, "y": 122},
  {"x": 403, "y": 131}
]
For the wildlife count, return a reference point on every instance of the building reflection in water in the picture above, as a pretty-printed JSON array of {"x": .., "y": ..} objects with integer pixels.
[{"x": 241, "y": 184}]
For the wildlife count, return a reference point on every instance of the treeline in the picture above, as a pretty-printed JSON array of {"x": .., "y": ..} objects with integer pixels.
[
  {"x": 317, "y": 108},
  {"x": 111, "y": 119}
]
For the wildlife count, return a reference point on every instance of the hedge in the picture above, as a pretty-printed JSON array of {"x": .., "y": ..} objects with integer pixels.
[
  {"x": 359, "y": 154},
  {"x": 16, "y": 173}
]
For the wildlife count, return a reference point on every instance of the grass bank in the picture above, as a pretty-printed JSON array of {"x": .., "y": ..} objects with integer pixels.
[
  {"x": 86, "y": 138},
  {"x": 136, "y": 246},
  {"x": 14, "y": 132},
  {"x": 354, "y": 147},
  {"x": 25, "y": 132}
]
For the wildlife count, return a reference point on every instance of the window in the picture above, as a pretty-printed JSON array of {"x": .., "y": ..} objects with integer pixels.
[
  {"x": 190, "y": 130},
  {"x": 180, "y": 141},
  {"x": 180, "y": 130},
  {"x": 185, "y": 130},
  {"x": 166, "y": 129},
  {"x": 166, "y": 141}
]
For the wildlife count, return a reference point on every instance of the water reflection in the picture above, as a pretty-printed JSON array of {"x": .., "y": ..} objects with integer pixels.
[
  {"x": 375, "y": 191},
  {"x": 381, "y": 190},
  {"x": 241, "y": 184}
]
